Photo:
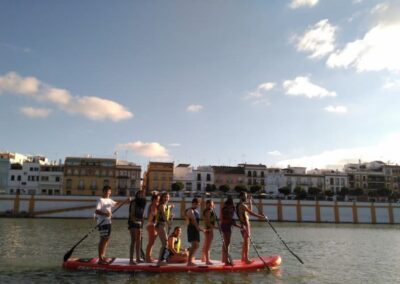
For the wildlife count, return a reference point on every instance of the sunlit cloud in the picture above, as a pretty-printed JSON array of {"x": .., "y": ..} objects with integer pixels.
[
  {"x": 378, "y": 49},
  {"x": 94, "y": 108},
  {"x": 319, "y": 40},
  {"x": 149, "y": 150},
  {"x": 259, "y": 95},
  {"x": 302, "y": 3},
  {"x": 386, "y": 150},
  {"x": 336, "y": 109},
  {"x": 35, "y": 112},
  {"x": 301, "y": 86},
  {"x": 275, "y": 153},
  {"x": 392, "y": 84},
  {"x": 194, "y": 108}
]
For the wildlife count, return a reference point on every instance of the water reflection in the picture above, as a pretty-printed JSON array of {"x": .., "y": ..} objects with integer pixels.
[{"x": 31, "y": 250}]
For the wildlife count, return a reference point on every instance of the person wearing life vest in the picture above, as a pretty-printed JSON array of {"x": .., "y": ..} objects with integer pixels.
[
  {"x": 243, "y": 210},
  {"x": 151, "y": 225},
  {"x": 162, "y": 218},
  {"x": 193, "y": 230},
  {"x": 135, "y": 224},
  {"x": 175, "y": 252},
  {"x": 209, "y": 219}
]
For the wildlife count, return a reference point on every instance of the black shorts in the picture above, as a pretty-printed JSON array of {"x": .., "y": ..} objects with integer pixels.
[
  {"x": 135, "y": 225},
  {"x": 105, "y": 231},
  {"x": 192, "y": 234}
]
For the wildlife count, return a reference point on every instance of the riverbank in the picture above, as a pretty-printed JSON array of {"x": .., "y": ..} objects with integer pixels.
[{"x": 37, "y": 206}]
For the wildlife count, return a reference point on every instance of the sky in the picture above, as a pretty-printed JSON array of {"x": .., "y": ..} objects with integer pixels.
[{"x": 312, "y": 83}]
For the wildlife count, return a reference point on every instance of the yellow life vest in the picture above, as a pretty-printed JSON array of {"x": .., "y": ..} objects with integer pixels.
[{"x": 177, "y": 245}]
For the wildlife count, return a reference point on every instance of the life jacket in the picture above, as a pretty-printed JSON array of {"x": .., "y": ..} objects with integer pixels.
[
  {"x": 136, "y": 209},
  {"x": 177, "y": 245},
  {"x": 196, "y": 216},
  {"x": 167, "y": 212}
]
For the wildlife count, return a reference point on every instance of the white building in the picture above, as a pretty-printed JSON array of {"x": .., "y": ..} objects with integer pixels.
[
  {"x": 51, "y": 178},
  {"x": 255, "y": 175},
  {"x": 184, "y": 173},
  {"x": 334, "y": 181},
  {"x": 274, "y": 180},
  {"x": 297, "y": 177},
  {"x": 204, "y": 175}
]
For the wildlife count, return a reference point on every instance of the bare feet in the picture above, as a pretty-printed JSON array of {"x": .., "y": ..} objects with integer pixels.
[
  {"x": 191, "y": 264},
  {"x": 209, "y": 263},
  {"x": 248, "y": 261},
  {"x": 131, "y": 262}
]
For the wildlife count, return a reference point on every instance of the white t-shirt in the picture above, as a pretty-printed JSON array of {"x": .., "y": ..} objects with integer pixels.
[{"x": 104, "y": 205}]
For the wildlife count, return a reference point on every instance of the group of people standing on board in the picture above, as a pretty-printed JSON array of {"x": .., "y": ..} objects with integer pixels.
[{"x": 159, "y": 224}]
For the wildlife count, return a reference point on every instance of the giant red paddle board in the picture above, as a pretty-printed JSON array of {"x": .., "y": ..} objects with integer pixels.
[{"x": 122, "y": 264}]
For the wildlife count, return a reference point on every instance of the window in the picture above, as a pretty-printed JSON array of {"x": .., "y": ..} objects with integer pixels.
[
  {"x": 262, "y": 174},
  {"x": 208, "y": 177},
  {"x": 254, "y": 173},
  {"x": 249, "y": 173},
  {"x": 106, "y": 182},
  {"x": 69, "y": 184},
  {"x": 12, "y": 177},
  {"x": 58, "y": 179},
  {"x": 81, "y": 185},
  {"x": 198, "y": 176}
]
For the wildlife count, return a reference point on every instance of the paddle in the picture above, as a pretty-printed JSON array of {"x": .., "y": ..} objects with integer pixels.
[
  {"x": 69, "y": 253},
  {"x": 296, "y": 256},
  {"x": 230, "y": 261},
  {"x": 255, "y": 248},
  {"x": 169, "y": 230}
]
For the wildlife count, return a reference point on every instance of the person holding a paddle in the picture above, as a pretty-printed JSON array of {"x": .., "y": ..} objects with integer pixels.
[
  {"x": 209, "y": 224},
  {"x": 103, "y": 215},
  {"x": 243, "y": 210},
  {"x": 193, "y": 230},
  {"x": 135, "y": 224}
]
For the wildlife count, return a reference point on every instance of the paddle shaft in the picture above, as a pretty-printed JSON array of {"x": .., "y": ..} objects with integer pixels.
[
  {"x": 283, "y": 242},
  {"x": 69, "y": 253},
  {"x": 223, "y": 240}
]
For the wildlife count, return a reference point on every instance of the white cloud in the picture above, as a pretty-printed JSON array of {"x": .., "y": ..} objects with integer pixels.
[
  {"x": 149, "y": 150},
  {"x": 275, "y": 153},
  {"x": 94, "y": 108},
  {"x": 319, "y": 40},
  {"x": 301, "y": 86},
  {"x": 35, "y": 112},
  {"x": 385, "y": 150},
  {"x": 300, "y": 3},
  {"x": 258, "y": 97},
  {"x": 336, "y": 109},
  {"x": 194, "y": 108},
  {"x": 175, "y": 144},
  {"x": 392, "y": 84},
  {"x": 378, "y": 50},
  {"x": 15, "y": 84}
]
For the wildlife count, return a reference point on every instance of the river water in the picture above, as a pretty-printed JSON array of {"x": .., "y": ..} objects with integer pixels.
[{"x": 31, "y": 251}]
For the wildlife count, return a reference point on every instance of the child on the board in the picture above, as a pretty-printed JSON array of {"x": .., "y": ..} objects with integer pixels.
[
  {"x": 193, "y": 230},
  {"x": 243, "y": 209},
  {"x": 209, "y": 219},
  {"x": 175, "y": 252},
  {"x": 135, "y": 224},
  {"x": 151, "y": 225}
]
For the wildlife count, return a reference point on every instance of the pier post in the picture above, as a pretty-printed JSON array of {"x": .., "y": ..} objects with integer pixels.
[
  {"x": 317, "y": 212},
  {"x": 337, "y": 215},
  {"x": 279, "y": 209},
  {"x": 16, "y": 204},
  {"x": 355, "y": 213},
  {"x": 373, "y": 213},
  {"x": 391, "y": 217},
  {"x": 298, "y": 211},
  {"x": 31, "y": 205}
]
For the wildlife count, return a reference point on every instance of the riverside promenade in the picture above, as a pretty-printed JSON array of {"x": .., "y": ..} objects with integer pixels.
[{"x": 42, "y": 206}]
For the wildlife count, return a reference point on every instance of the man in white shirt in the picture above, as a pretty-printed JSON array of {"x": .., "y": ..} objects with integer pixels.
[{"x": 103, "y": 214}]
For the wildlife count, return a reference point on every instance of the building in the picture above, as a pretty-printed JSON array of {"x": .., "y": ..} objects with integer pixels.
[
  {"x": 24, "y": 178},
  {"x": 255, "y": 175},
  {"x": 367, "y": 176},
  {"x": 159, "y": 176},
  {"x": 184, "y": 173},
  {"x": 204, "y": 176},
  {"x": 51, "y": 179},
  {"x": 127, "y": 177},
  {"x": 230, "y": 176},
  {"x": 392, "y": 174},
  {"x": 88, "y": 176},
  {"x": 297, "y": 177},
  {"x": 334, "y": 180},
  {"x": 274, "y": 180}
]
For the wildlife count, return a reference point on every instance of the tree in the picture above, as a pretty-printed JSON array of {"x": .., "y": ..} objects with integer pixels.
[
  {"x": 224, "y": 188},
  {"x": 329, "y": 193},
  {"x": 177, "y": 186},
  {"x": 210, "y": 187},
  {"x": 300, "y": 192},
  {"x": 356, "y": 192},
  {"x": 239, "y": 188},
  {"x": 384, "y": 192},
  {"x": 314, "y": 191},
  {"x": 255, "y": 188},
  {"x": 344, "y": 191},
  {"x": 285, "y": 190}
]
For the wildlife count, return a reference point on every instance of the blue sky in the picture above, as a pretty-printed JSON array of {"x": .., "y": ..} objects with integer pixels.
[{"x": 300, "y": 82}]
